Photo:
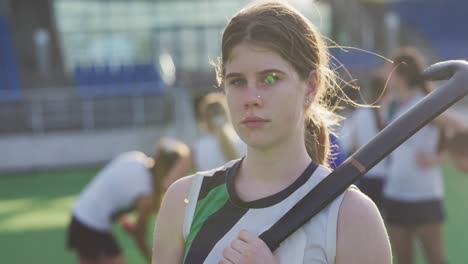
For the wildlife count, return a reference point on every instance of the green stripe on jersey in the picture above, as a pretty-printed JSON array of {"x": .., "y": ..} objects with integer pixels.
[{"x": 209, "y": 205}]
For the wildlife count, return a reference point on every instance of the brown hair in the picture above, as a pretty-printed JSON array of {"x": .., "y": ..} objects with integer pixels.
[
  {"x": 282, "y": 29},
  {"x": 167, "y": 152},
  {"x": 409, "y": 64}
]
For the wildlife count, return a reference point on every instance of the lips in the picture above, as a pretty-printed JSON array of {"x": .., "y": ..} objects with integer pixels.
[{"x": 254, "y": 122}]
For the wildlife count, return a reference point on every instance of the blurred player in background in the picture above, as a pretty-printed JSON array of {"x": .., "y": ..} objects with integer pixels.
[
  {"x": 373, "y": 120},
  {"x": 130, "y": 182},
  {"x": 219, "y": 143},
  {"x": 414, "y": 191}
]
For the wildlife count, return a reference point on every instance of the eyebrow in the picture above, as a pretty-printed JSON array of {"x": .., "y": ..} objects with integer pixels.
[{"x": 237, "y": 74}]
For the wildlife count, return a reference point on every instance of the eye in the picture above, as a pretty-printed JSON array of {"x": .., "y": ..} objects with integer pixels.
[
  {"x": 239, "y": 82},
  {"x": 270, "y": 78}
]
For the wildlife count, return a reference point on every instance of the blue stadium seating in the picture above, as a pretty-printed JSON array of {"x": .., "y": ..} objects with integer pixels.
[
  {"x": 10, "y": 84},
  {"x": 442, "y": 22},
  {"x": 123, "y": 80},
  {"x": 353, "y": 59}
]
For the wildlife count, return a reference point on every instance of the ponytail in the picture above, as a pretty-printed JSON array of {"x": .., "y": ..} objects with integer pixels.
[
  {"x": 316, "y": 139},
  {"x": 168, "y": 152}
]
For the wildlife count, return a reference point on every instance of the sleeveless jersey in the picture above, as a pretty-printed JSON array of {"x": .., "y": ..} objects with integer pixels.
[
  {"x": 406, "y": 180},
  {"x": 215, "y": 215}
]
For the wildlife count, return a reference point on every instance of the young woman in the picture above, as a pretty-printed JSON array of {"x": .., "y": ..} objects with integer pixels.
[
  {"x": 413, "y": 191},
  {"x": 218, "y": 145},
  {"x": 132, "y": 181},
  {"x": 275, "y": 74}
]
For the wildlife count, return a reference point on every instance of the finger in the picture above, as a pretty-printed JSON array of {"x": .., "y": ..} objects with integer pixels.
[
  {"x": 231, "y": 255},
  {"x": 239, "y": 246},
  {"x": 246, "y": 236},
  {"x": 225, "y": 261}
]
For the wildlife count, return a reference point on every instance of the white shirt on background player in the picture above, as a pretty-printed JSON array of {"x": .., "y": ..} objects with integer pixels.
[
  {"x": 406, "y": 180},
  {"x": 114, "y": 188},
  {"x": 358, "y": 130}
]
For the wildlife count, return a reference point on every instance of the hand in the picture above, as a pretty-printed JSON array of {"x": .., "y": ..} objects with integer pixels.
[
  {"x": 218, "y": 122},
  {"x": 247, "y": 249},
  {"x": 425, "y": 160},
  {"x": 127, "y": 225}
]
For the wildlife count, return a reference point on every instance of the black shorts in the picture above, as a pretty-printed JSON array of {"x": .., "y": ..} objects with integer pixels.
[
  {"x": 372, "y": 187},
  {"x": 90, "y": 243},
  {"x": 413, "y": 213}
]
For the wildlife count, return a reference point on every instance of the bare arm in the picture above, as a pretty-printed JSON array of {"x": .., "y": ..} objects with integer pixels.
[
  {"x": 144, "y": 208},
  {"x": 451, "y": 121},
  {"x": 169, "y": 245},
  {"x": 428, "y": 160},
  {"x": 225, "y": 138},
  {"x": 361, "y": 234}
]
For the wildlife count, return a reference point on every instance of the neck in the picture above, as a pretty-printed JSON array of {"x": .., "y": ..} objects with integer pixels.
[
  {"x": 265, "y": 172},
  {"x": 278, "y": 165}
]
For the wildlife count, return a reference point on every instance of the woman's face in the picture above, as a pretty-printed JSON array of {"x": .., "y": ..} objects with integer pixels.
[{"x": 265, "y": 96}]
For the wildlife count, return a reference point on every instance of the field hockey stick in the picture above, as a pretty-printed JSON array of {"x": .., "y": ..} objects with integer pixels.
[{"x": 456, "y": 72}]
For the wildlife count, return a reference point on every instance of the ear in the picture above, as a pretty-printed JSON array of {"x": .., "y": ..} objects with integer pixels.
[{"x": 311, "y": 87}]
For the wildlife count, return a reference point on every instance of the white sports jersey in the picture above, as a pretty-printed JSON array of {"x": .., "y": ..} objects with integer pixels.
[
  {"x": 114, "y": 189},
  {"x": 359, "y": 129},
  {"x": 208, "y": 154},
  {"x": 214, "y": 216},
  {"x": 406, "y": 180}
]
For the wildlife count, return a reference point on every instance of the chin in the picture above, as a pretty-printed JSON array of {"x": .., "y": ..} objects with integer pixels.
[{"x": 255, "y": 140}]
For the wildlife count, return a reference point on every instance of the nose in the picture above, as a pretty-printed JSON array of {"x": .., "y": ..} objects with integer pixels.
[{"x": 253, "y": 98}]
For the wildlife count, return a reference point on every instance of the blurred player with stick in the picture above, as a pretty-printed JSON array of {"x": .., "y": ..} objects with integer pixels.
[{"x": 414, "y": 192}]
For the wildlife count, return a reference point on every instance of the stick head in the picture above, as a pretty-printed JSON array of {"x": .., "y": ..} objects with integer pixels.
[{"x": 446, "y": 70}]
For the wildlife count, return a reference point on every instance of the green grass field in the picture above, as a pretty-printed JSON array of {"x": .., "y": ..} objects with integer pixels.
[{"x": 34, "y": 213}]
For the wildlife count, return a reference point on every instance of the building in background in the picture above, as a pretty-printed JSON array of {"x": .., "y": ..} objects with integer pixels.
[{"x": 82, "y": 72}]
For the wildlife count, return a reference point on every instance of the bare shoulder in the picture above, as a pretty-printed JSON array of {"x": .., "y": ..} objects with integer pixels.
[
  {"x": 355, "y": 204},
  {"x": 168, "y": 238},
  {"x": 178, "y": 189},
  {"x": 173, "y": 204},
  {"x": 361, "y": 233}
]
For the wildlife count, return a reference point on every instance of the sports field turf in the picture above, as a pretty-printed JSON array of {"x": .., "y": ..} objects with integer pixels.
[{"x": 34, "y": 212}]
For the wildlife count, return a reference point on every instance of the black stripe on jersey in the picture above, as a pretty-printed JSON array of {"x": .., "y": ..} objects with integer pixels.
[
  {"x": 214, "y": 228},
  {"x": 272, "y": 199},
  {"x": 218, "y": 178}
]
